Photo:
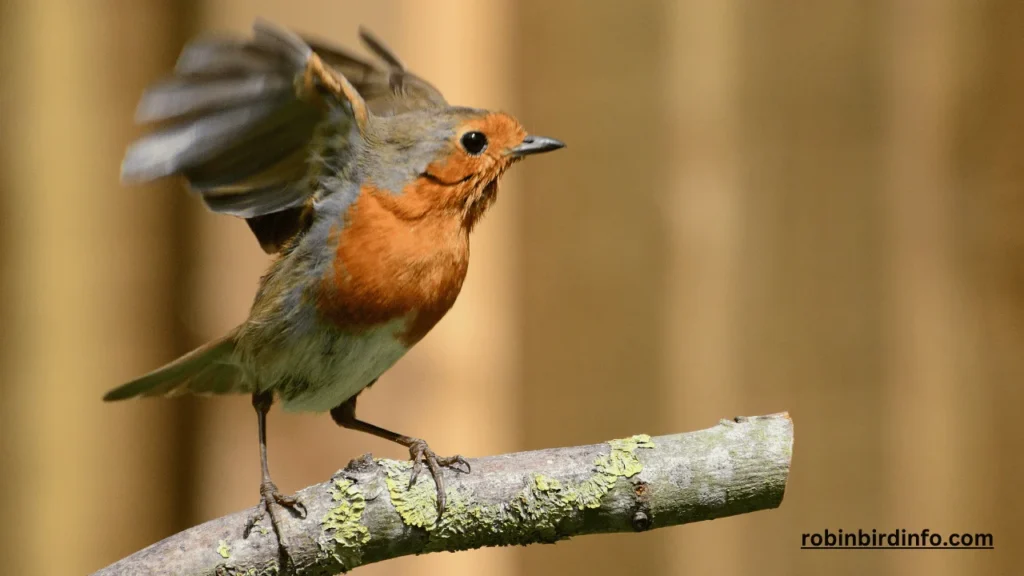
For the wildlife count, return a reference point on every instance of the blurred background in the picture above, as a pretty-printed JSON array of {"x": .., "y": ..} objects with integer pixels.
[{"x": 764, "y": 206}]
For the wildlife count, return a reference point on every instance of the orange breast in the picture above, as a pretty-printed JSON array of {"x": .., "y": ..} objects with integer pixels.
[{"x": 396, "y": 257}]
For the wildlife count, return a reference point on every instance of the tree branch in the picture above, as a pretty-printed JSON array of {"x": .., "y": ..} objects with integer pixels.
[{"x": 366, "y": 513}]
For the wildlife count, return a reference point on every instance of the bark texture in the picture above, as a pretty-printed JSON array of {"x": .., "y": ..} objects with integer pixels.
[{"x": 367, "y": 512}]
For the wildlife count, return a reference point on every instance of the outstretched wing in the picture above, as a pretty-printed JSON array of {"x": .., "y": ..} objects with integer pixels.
[
  {"x": 389, "y": 88},
  {"x": 239, "y": 121}
]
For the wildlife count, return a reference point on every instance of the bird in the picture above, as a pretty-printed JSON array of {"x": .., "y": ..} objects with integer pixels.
[{"x": 364, "y": 184}]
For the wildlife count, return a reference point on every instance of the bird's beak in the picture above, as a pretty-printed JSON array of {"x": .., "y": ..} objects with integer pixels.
[{"x": 535, "y": 145}]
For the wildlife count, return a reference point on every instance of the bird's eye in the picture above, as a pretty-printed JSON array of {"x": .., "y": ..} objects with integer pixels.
[{"x": 474, "y": 142}]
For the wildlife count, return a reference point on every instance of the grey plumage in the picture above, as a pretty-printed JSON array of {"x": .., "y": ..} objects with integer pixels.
[
  {"x": 238, "y": 131},
  {"x": 218, "y": 55},
  {"x": 205, "y": 370},
  {"x": 184, "y": 146},
  {"x": 189, "y": 95},
  {"x": 387, "y": 91},
  {"x": 233, "y": 121}
]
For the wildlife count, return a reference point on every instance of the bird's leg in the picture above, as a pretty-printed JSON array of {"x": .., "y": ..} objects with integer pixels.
[
  {"x": 345, "y": 416},
  {"x": 269, "y": 494}
]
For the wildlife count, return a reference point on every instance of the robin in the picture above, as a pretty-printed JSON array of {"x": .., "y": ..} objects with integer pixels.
[{"x": 362, "y": 180}]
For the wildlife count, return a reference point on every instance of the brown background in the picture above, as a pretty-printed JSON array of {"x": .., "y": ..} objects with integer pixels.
[{"x": 764, "y": 206}]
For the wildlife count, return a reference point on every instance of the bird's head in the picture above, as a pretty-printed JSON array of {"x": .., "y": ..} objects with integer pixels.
[
  {"x": 446, "y": 158},
  {"x": 450, "y": 159}
]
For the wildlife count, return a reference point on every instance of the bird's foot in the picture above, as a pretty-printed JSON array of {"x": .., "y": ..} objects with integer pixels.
[
  {"x": 421, "y": 454},
  {"x": 269, "y": 496}
]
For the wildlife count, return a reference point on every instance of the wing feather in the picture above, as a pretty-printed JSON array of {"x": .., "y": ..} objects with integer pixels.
[{"x": 238, "y": 122}]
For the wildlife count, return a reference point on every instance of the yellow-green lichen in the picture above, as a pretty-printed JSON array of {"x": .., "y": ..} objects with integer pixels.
[
  {"x": 223, "y": 549},
  {"x": 621, "y": 462},
  {"x": 532, "y": 515},
  {"x": 544, "y": 483},
  {"x": 344, "y": 533},
  {"x": 416, "y": 504}
]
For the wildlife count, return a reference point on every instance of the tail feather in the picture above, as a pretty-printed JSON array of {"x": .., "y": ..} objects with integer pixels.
[{"x": 205, "y": 370}]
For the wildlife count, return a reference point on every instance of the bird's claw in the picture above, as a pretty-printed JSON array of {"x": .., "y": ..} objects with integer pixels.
[
  {"x": 420, "y": 453},
  {"x": 269, "y": 494},
  {"x": 254, "y": 517}
]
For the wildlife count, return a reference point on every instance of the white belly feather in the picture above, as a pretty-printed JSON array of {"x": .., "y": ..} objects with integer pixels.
[{"x": 326, "y": 368}]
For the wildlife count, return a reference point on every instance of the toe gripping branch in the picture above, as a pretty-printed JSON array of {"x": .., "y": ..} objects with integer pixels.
[{"x": 419, "y": 452}]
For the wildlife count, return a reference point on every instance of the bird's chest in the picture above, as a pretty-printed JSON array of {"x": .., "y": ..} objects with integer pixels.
[{"x": 387, "y": 270}]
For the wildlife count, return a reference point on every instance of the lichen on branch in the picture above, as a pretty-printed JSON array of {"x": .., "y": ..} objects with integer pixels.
[{"x": 368, "y": 512}]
